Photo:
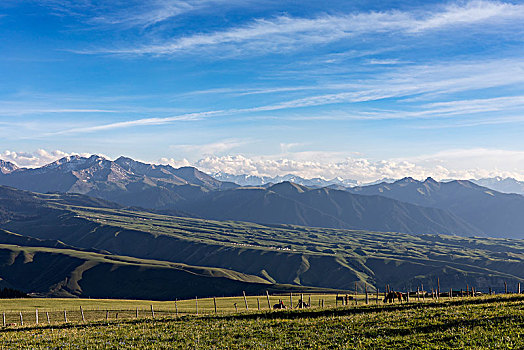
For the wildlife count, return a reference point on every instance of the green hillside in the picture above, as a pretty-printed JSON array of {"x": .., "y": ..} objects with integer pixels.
[
  {"x": 319, "y": 257},
  {"x": 65, "y": 272}
]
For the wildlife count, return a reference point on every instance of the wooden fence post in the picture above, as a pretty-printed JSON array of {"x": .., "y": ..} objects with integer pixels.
[
  {"x": 82, "y": 313},
  {"x": 107, "y": 315},
  {"x": 376, "y": 301},
  {"x": 153, "y": 311},
  {"x": 518, "y": 287},
  {"x": 176, "y": 308},
  {"x": 336, "y": 300},
  {"x": 309, "y": 300},
  {"x": 291, "y": 300},
  {"x": 136, "y": 312},
  {"x": 65, "y": 316},
  {"x": 301, "y": 300},
  {"x": 322, "y": 302},
  {"x": 215, "y": 303},
  {"x": 356, "y": 302},
  {"x": 407, "y": 297},
  {"x": 36, "y": 316},
  {"x": 21, "y": 319},
  {"x": 47, "y": 316},
  {"x": 367, "y": 297},
  {"x": 505, "y": 288},
  {"x": 258, "y": 304},
  {"x": 245, "y": 300},
  {"x": 196, "y": 305},
  {"x": 438, "y": 288},
  {"x": 268, "y": 303},
  {"x": 3, "y": 319}
]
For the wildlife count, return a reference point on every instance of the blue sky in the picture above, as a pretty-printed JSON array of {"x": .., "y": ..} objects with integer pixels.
[{"x": 356, "y": 89}]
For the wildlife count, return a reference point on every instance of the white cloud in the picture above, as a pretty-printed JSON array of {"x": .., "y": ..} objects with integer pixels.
[
  {"x": 472, "y": 163},
  {"x": 125, "y": 14},
  {"x": 457, "y": 164},
  {"x": 34, "y": 159},
  {"x": 284, "y": 32}
]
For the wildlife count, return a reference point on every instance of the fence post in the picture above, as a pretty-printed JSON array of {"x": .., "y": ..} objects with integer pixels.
[
  {"x": 215, "y": 302},
  {"x": 407, "y": 297},
  {"x": 65, "y": 316},
  {"x": 21, "y": 319},
  {"x": 518, "y": 287},
  {"x": 356, "y": 302},
  {"x": 176, "y": 308},
  {"x": 196, "y": 305},
  {"x": 376, "y": 301},
  {"x": 245, "y": 300},
  {"x": 3, "y": 319},
  {"x": 438, "y": 288},
  {"x": 107, "y": 315},
  {"x": 82, "y": 313},
  {"x": 505, "y": 288},
  {"x": 136, "y": 312},
  {"x": 301, "y": 300},
  {"x": 152, "y": 311},
  {"x": 322, "y": 302},
  {"x": 367, "y": 297},
  {"x": 258, "y": 304},
  {"x": 291, "y": 300},
  {"x": 36, "y": 316},
  {"x": 336, "y": 300},
  {"x": 47, "y": 316},
  {"x": 268, "y": 303},
  {"x": 309, "y": 300}
]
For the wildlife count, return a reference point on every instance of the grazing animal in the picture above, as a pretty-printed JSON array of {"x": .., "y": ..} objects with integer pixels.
[
  {"x": 280, "y": 305},
  {"x": 302, "y": 304},
  {"x": 391, "y": 296}
]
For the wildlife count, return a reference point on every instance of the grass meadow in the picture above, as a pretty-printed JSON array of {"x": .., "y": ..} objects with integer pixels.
[{"x": 491, "y": 322}]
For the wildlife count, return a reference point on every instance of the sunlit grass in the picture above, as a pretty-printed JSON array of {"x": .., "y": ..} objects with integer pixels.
[{"x": 471, "y": 323}]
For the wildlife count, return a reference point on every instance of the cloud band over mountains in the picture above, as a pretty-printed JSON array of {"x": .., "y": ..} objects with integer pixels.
[{"x": 451, "y": 164}]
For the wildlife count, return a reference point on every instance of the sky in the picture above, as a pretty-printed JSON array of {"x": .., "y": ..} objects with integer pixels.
[{"x": 358, "y": 89}]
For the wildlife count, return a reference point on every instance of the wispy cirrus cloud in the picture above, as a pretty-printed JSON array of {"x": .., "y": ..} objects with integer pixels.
[
  {"x": 286, "y": 33},
  {"x": 401, "y": 84},
  {"x": 124, "y": 14}
]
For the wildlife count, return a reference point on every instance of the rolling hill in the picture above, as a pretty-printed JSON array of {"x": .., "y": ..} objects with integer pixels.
[
  {"x": 288, "y": 203},
  {"x": 280, "y": 254}
]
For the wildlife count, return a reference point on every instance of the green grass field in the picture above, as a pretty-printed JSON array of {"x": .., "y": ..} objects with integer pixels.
[{"x": 470, "y": 323}]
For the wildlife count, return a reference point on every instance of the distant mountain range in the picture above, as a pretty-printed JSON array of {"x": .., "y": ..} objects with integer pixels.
[
  {"x": 500, "y": 184},
  {"x": 491, "y": 212},
  {"x": 125, "y": 181},
  {"x": 407, "y": 205},
  {"x": 252, "y": 180}
]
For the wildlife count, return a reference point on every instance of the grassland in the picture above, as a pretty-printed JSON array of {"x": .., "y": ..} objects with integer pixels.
[{"x": 466, "y": 323}]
